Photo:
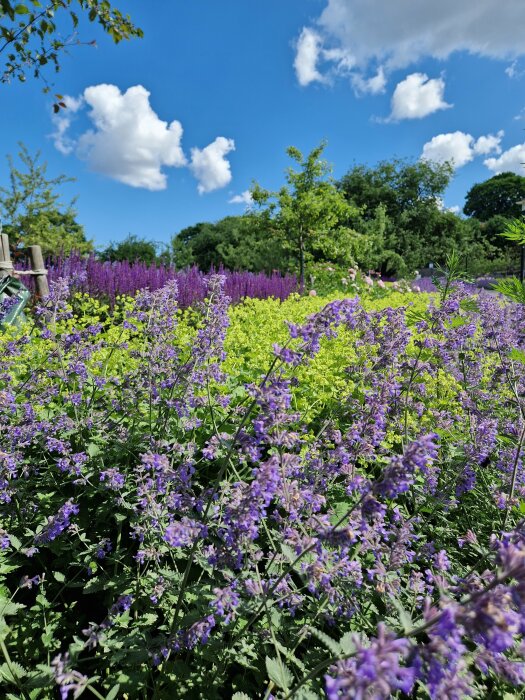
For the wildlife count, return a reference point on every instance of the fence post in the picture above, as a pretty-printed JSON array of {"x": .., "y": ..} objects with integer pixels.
[
  {"x": 38, "y": 270},
  {"x": 6, "y": 266}
]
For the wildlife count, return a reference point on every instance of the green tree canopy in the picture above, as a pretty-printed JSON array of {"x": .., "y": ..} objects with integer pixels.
[
  {"x": 401, "y": 218},
  {"x": 309, "y": 214},
  {"x": 499, "y": 195},
  {"x": 30, "y": 38},
  {"x": 31, "y": 212},
  {"x": 132, "y": 249},
  {"x": 397, "y": 185},
  {"x": 235, "y": 242}
]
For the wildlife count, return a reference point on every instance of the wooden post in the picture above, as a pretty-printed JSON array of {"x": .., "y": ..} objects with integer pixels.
[
  {"x": 6, "y": 266},
  {"x": 38, "y": 270}
]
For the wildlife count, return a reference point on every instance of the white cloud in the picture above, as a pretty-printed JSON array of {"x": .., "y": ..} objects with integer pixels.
[
  {"x": 511, "y": 160},
  {"x": 307, "y": 56},
  {"x": 455, "y": 209},
  {"x": 489, "y": 144},
  {"x": 418, "y": 96},
  {"x": 62, "y": 121},
  {"x": 373, "y": 86},
  {"x": 130, "y": 143},
  {"x": 513, "y": 71},
  {"x": 209, "y": 165},
  {"x": 402, "y": 32},
  {"x": 397, "y": 34},
  {"x": 460, "y": 148},
  {"x": 243, "y": 198}
]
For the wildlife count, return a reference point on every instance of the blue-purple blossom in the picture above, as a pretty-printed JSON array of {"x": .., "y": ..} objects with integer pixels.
[
  {"x": 375, "y": 671},
  {"x": 57, "y": 523}
]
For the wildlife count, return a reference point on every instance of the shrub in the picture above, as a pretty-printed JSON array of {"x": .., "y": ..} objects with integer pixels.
[{"x": 171, "y": 527}]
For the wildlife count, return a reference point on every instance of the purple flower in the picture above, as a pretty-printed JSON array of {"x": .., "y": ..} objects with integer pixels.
[
  {"x": 399, "y": 475},
  {"x": 66, "y": 679},
  {"x": 374, "y": 671},
  {"x": 57, "y": 523},
  {"x": 183, "y": 533}
]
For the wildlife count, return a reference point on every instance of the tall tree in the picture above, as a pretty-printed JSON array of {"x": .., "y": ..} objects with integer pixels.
[
  {"x": 415, "y": 230},
  {"x": 309, "y": 213},
  {"x": 31, "y": 211},
  {"x": 30, "y": 38},
  {"x": 499, "y": 195},
  {"x": 397, "y": 185}
]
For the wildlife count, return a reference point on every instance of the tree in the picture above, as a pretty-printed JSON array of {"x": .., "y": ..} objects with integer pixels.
[
  {"x": 397, "y": 185},
  {"x": 235, "y": 242},
  {"x": 413, "y": 229},
  {"x": 30, "y": 37},
  {"x": 132, "y": 249},
  {"x": 499, "y": 195},
  {"x": 309, "y": 214},
  {"x": 31, "y": 213}
]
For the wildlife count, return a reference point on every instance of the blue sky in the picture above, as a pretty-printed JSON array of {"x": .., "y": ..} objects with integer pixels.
[{"x": 165, "y": 131}]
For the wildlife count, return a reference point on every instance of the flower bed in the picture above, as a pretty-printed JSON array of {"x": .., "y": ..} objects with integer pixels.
[{"x": 178, "y": 523}]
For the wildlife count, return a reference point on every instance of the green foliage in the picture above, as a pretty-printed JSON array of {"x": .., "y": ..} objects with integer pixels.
[
  {"x": 132, "y": 249},
  {"x": 397, "y": 185},
  {"x": 308, "y": 215},
  {"x": 235, "y": 242},
  {"x": 32, "y": 33},
  {"x": 499, "y": 195},
  {"x": 452, "y": 272},
  {"x": 31, "y": 212},
  {"x": 400, "y": 222},
  {"x": 512, "y": 288},
  {"x": 514, "y": 231}
]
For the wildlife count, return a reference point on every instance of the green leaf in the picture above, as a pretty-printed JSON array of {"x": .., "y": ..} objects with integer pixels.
[
  {"x": 347, "y": 643},
  {"x": 10, "y": 608},
  {"x": 279, "y": 673},
  {"x": 303, "y": 694},
  {"x": 404, "y": 616},
  {"x": 517, "y": 355},
  {"x": 15, "y": 542},
  {"x": 12, "y": 672},
  {"x": 512, "y": 288},
  {"x": 329, "y": 643},
  {"x": 59, "y": 576},
  {"x": 21, "y": 10},
  {"x": 113, "y": 692},
  {"x": 93, "y": 450},
  {"x": 240, "y": 696}
]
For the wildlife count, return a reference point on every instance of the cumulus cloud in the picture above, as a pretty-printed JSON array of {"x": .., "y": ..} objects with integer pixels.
[
  {"x": 62, "y": 121},
  {"x": 460, "y": 148},
  {"x": 398, "y": 34},
  {"x": 511, "y": 160},
  {"x": 489, "y": 144},
  {"x": 307, "y": 56},
  {"x": 418, "y": 96},
  {"x": 209, "y": 165},
  {"x": 130, "y": 143},
  {"x": 243, "y": 198}
]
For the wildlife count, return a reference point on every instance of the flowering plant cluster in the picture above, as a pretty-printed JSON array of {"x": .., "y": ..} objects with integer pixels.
[
  {"x": 170, "y": 530},
  {"x": 112, "y": 279},
  {"x": 327, "y": 278}
]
